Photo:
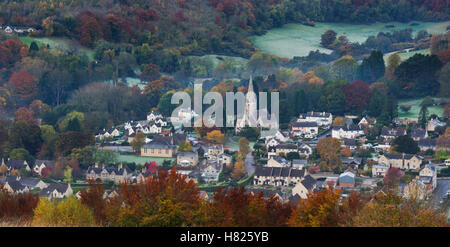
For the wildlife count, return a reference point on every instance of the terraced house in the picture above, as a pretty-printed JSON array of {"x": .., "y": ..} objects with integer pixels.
[
  {"x": 278, "y": 176},
  {"x": 402, "y": 161},
  {"x": 118, "y": 174}
]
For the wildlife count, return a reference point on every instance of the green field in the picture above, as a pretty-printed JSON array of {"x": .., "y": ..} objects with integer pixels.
[
  {"x": 298, "y": 40},
  {"x": 415, "y": 108},
  {"x": 140, "y": 159},
  {"x": 61, "y": 44},
  {"x": 405, "y": 55}
]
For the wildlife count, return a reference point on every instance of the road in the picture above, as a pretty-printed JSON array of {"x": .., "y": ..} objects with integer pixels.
[
  {"x": 249, "y": 164},
  {"x": 443, "y": 185}
]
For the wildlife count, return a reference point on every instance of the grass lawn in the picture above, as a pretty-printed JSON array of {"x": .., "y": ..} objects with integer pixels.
[
  {"x": 140, "y": 159},
  {"x": 415, "y": 108},
  {"x": 61, "y": 44}
]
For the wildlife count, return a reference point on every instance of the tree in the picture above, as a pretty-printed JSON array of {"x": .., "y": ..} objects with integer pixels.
[
  {"x": 67, "y": 141},
  {"x": 24, "y": 114},
  {"x": 150, "y": 73},
  {"x": 328, "y": 38},
  {"x": 3, "y": 169},
  {"x": 444, "y": 80},
  {"x": 24, "y": 135},
  {"x": 138, "y": 141},
  {"x": 47, "y": 132},
  {"x": 238, "y": 169},
  {"x": 423, "y": 116},
  {"x": 417, "y": 76},
  {"x": 68, "y": 175},
  {"x": 320, "y": 209},
  {"x": 393, "y": 62},
  {"x": 292, "y": 155},
  {"x": 392, "y": 177},
  {"x": 338, "y": 121},
  {"x": 24, "y": 85},
  {"x": 21, "y": 154},
  {"x": 216, "y": 136},
  {"x": 328, "y": 149},
  {"x": 69, "y": 212},
  {"x": 357, "y": 95},
  {"x": 346, "y": 152},
  {"x": 93, "y": 198},
  {"x": 344, "y": 68},
  {"x": 372, "y": 67},
  {"x": 405, "y": 144},
  {"x": 405, "y": 108},
  {"x": 244, "y": 147},
  {"x": 184, "y": 147}
]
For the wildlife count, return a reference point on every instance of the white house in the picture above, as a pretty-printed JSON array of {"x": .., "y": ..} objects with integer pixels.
[
  {"x": 321, "y": 118},
  {"x": 305, "y": 129},
  {"x": 57, "y": 191},
  {"x": 347, "y": 131}
]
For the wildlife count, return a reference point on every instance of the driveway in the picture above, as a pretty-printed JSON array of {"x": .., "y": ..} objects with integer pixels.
[{"x": 249, "y": 164}]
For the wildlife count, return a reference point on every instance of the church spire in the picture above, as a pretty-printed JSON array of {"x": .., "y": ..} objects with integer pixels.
[{"x": 250, "y": 85}]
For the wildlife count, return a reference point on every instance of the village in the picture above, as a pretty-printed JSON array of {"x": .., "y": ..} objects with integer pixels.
[{"x": 285, "y": 165}]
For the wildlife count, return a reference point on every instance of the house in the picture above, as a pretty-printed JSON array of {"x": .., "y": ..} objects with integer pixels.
[
  {"x": 389, "y": 134},
  {"x": 305, "y": 150},
  {"x": 117, "y": 174},
  {"x": 419, "y": 134},
  {"x": 402, "y": 161},
  {"x": 224, "y": 159},
  {"x": 277, "y": 176},
  {"x": 426, "y": 144},
  {"x": 352, "y": 162},
  {"x": 155, "y": 128},
  {"x": 16, "y": 165},
  {"x": 39, "y": 165},
  {"x": 272, "y": 142},
  {"x": 367, "y": 121},
  {"x": 286, "y": 148},
  {"x": 379, "y": 170},
  {"x": 434, "y": 123},
  {"x": 277, "y": 161},
  {"x": 305, "y": 129},
  {"x": 161, "y": 121},
  {"x": 58, "y": 191},
  {"x": 350, "y": 143},
  {"x": 32, "y": 183},
  {"x": 428, "y": 175},
  {"x": 302, "y": 189},
  {"x": 266, "y": 193},
  {"x": 271, "y": 151},
  {"x": 153, "y": 116},
  {"x": 8, "y": 30},
  {"x": 159, "y": 148},
  {"x": 416, "y": 189},
  {"x": 350, "y": 131},
  {"x": 213, "y": 151},
  {"x": 187, "y": 159},
  {"x": 346, "y": 180},
  {"x": 12, "y": 185},
  {"x": 142, "y": 176},
  {"x": 299, "y": 164},
  {"x": 321, "y": 118},
  {"x": 211, "y": 172}
]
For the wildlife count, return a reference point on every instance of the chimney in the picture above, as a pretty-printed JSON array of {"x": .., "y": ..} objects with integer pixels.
[
  {"x": 96, "y": 165},
  {"x": 120, "y": 166}
]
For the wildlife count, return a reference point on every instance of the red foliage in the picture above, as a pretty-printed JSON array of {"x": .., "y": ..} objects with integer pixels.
[
  {"x": 93, "y": 198},
  {"x": 444, "y": 56},
  {"x": 152, "y": 166},
  {"x": 147, "y": 15},
  {"x": 393, "y": 176},
  {"x": 357, "y": 94},
  {"x": 24, "y": 84},
  {"x": 45, "y": 172},
  {"x": 24, "y": 114},
  {"x": 16, "y": 206},
  {"x": 11, "y": 51}
]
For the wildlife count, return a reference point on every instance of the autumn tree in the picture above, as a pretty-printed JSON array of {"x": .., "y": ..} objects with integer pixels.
[
  {"x": 93, "y": 198},
  {"x": 392, "y": 177},
  {"x": 405, "y": 144},
  {"x": 328, "y": 149},
  {"x": 357, "y": 95},
  {"x": 216, "y": 136},
  {"x": 319, "y": 209},
  {"x": 24, "y": 85},
  {"x": 150, "y": 73},
  {"x": 244, "y": 147},
  {"x": 184, "y": 147},
  {"x": 138, "y": 141},
  {"x": 238, "y": 169},
  {"x": 69, "y": 212},
  {"x": 328, "y": 38}
]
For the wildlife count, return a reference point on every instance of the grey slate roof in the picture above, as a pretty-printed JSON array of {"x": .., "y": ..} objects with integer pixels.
[
  {"x": 304, "y": 124},
  {"x": 309, "y": 182},
  {"x": 16, "y": 164},
  {"x": 392, "y": 132}
]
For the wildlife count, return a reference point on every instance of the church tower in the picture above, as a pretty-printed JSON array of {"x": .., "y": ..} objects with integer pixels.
[{"x": 250, "y": 117}]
